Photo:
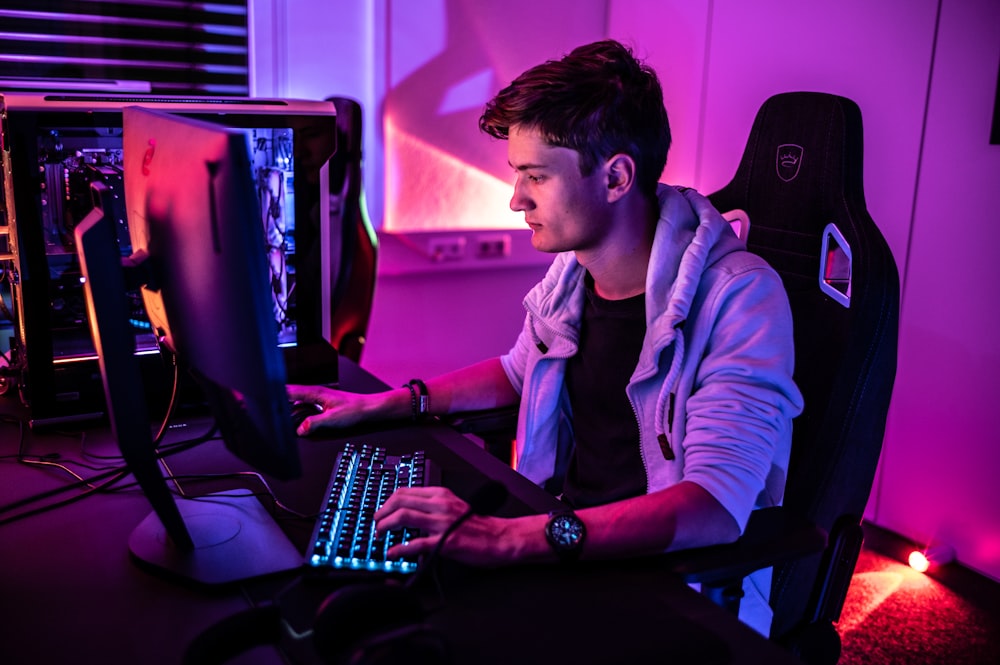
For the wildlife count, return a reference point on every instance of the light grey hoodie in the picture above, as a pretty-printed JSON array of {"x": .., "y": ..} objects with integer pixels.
[{"x": 715, "y": 410}]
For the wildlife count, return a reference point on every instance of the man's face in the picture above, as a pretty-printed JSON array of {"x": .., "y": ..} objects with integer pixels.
[{"x": 566, "y": 211}]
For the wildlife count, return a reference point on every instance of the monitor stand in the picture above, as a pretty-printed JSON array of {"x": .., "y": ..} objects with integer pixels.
[
  {"x": 234, "y": 538},
  {"x": 215, "y": 540}
]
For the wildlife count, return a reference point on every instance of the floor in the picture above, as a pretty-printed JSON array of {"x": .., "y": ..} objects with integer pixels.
[{"x": 895, "y": 615}]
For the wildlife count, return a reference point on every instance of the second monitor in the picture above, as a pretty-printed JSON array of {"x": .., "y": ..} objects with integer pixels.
[{"x": 202, "y": 266}]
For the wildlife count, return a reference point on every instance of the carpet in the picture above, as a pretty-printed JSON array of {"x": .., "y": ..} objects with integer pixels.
[{"x": 894, "y": 614}]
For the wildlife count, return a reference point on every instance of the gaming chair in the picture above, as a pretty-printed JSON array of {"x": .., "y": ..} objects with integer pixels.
[
  {"x": 354, "y": 286},
  {"x": 799, "y": 185}
]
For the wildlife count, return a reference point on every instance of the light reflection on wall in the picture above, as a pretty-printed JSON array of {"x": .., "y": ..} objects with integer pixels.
[{"x": 428, "y": 188}]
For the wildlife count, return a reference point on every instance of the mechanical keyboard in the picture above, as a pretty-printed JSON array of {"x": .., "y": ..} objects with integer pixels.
[{"x": 363, "y": 477}]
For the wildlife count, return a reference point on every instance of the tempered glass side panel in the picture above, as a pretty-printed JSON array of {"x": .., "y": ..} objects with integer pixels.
[
  {"x": 53, "y": 157},
  {"x": 71, "y": 158}
]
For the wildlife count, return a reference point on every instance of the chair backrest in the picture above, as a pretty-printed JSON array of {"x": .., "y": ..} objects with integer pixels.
[
  {"x": 354, "y": 286},
  {"x": 800, "y": 185}
]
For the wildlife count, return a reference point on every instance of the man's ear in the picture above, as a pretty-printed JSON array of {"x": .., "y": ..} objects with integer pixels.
[{"x": 620, "y": 171}]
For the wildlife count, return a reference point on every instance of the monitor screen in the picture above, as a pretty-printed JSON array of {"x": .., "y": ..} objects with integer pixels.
[{"x": 198, "y": 247}]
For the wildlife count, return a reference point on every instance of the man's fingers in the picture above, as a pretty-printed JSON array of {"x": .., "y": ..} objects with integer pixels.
[
  {"x": 412, "y": 518},
  {"x": 412, "y": 548}
]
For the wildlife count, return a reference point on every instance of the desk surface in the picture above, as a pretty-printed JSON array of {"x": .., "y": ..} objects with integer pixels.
[{"x": 69, "y": 591}]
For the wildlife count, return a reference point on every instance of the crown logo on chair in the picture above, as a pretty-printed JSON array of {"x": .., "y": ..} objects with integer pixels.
[{"x": 788, "y": 161}]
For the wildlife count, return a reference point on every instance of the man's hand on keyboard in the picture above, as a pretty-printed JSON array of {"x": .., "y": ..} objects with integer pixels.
[{"x": 480, "y": 540}]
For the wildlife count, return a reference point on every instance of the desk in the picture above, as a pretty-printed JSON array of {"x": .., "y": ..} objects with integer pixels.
[{"x": 70, "y": 593}]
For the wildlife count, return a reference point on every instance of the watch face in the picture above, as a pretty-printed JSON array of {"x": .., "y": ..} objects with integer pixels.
[{"x": 566, "y": 530}]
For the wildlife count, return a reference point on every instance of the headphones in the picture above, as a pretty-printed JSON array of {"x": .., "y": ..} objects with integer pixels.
[
  {"x": 358, "y": 624},
  {"x": 366, "y": 624}
]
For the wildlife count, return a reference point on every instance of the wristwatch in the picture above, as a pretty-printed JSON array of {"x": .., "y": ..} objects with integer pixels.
[{"x": 565, "y": 533}]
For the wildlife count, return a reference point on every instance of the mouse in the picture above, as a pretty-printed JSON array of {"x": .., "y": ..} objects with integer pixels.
[{"x": 302, "y": 410}]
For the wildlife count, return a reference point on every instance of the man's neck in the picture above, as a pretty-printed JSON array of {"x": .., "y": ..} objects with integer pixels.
[
  {"x": 619, "y": 266},
  {"x": 619, "y": 286}
]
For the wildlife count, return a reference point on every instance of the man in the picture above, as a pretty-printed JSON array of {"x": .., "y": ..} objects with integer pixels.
[{"x": 654, "y": 369}]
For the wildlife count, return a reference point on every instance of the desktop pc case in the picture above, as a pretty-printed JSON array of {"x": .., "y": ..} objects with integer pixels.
[{"x": 55, "y": 145}]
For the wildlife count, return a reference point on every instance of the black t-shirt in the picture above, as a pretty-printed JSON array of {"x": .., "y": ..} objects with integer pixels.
[{"x": 605, "y": 464}]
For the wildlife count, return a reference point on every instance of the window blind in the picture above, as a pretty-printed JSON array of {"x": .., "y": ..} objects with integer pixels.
[{"x": 170, "y": 47}]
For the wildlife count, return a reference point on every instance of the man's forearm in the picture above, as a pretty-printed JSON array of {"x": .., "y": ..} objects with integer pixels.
[
  {"x": 679, "y": 517},
  {"x": 483, "y": 385}
]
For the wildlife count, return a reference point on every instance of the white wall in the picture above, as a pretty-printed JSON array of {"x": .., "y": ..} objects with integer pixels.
[{"x": 930, "y": 178}]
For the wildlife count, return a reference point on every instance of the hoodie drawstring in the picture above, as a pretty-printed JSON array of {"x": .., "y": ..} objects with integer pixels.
[{"x": 665, "y": 400}]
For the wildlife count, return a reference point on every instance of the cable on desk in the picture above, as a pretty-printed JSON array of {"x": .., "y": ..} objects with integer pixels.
[
  {"x": 268, "y": 492},
  {"x": 115, "y": 477},
  {"x": 48, "y": 462},
  {"x": 172, "y": 404},
  {"x": 48, "y": 459},
  {"x": 161, "y": 430},
  {"x": 115, "y": 474},
  {"x": 94, "y": 456},
  {"x": 59, "y": 490}
]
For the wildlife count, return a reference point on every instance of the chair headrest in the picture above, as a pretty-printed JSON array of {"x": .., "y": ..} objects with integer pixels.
[{"x": 804, "y": 158}]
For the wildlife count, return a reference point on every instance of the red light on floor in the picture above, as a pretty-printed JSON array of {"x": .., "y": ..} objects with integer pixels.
[
  {"x": 918, "y": 561},
  {"x": 921, "y": 561}
]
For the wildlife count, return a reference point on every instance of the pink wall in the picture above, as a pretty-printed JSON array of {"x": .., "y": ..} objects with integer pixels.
[
  {"x": 445, "y": 60},
  {"x": 937, "y": 476},
  {"x": 939, "y": 469}
]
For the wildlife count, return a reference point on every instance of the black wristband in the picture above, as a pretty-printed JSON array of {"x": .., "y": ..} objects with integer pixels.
[
  {"x": 419, "y": 398},
  {"x": 413, "y": 400}
]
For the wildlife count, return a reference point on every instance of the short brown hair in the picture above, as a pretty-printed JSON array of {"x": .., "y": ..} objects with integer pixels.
[{"x": 599, "y": 101}]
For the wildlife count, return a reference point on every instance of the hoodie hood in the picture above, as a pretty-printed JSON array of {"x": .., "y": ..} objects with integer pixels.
[{"x": 690, "y": 236}]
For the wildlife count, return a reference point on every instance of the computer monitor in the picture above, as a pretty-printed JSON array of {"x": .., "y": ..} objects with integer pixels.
[{"x": 198, "y": 251}]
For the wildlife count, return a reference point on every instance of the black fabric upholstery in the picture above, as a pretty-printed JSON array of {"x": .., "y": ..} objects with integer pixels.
[{"x": 845, "y": 356}]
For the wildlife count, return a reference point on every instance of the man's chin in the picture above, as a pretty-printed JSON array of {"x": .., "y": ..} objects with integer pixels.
[{"x": 538, "y": 241}]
